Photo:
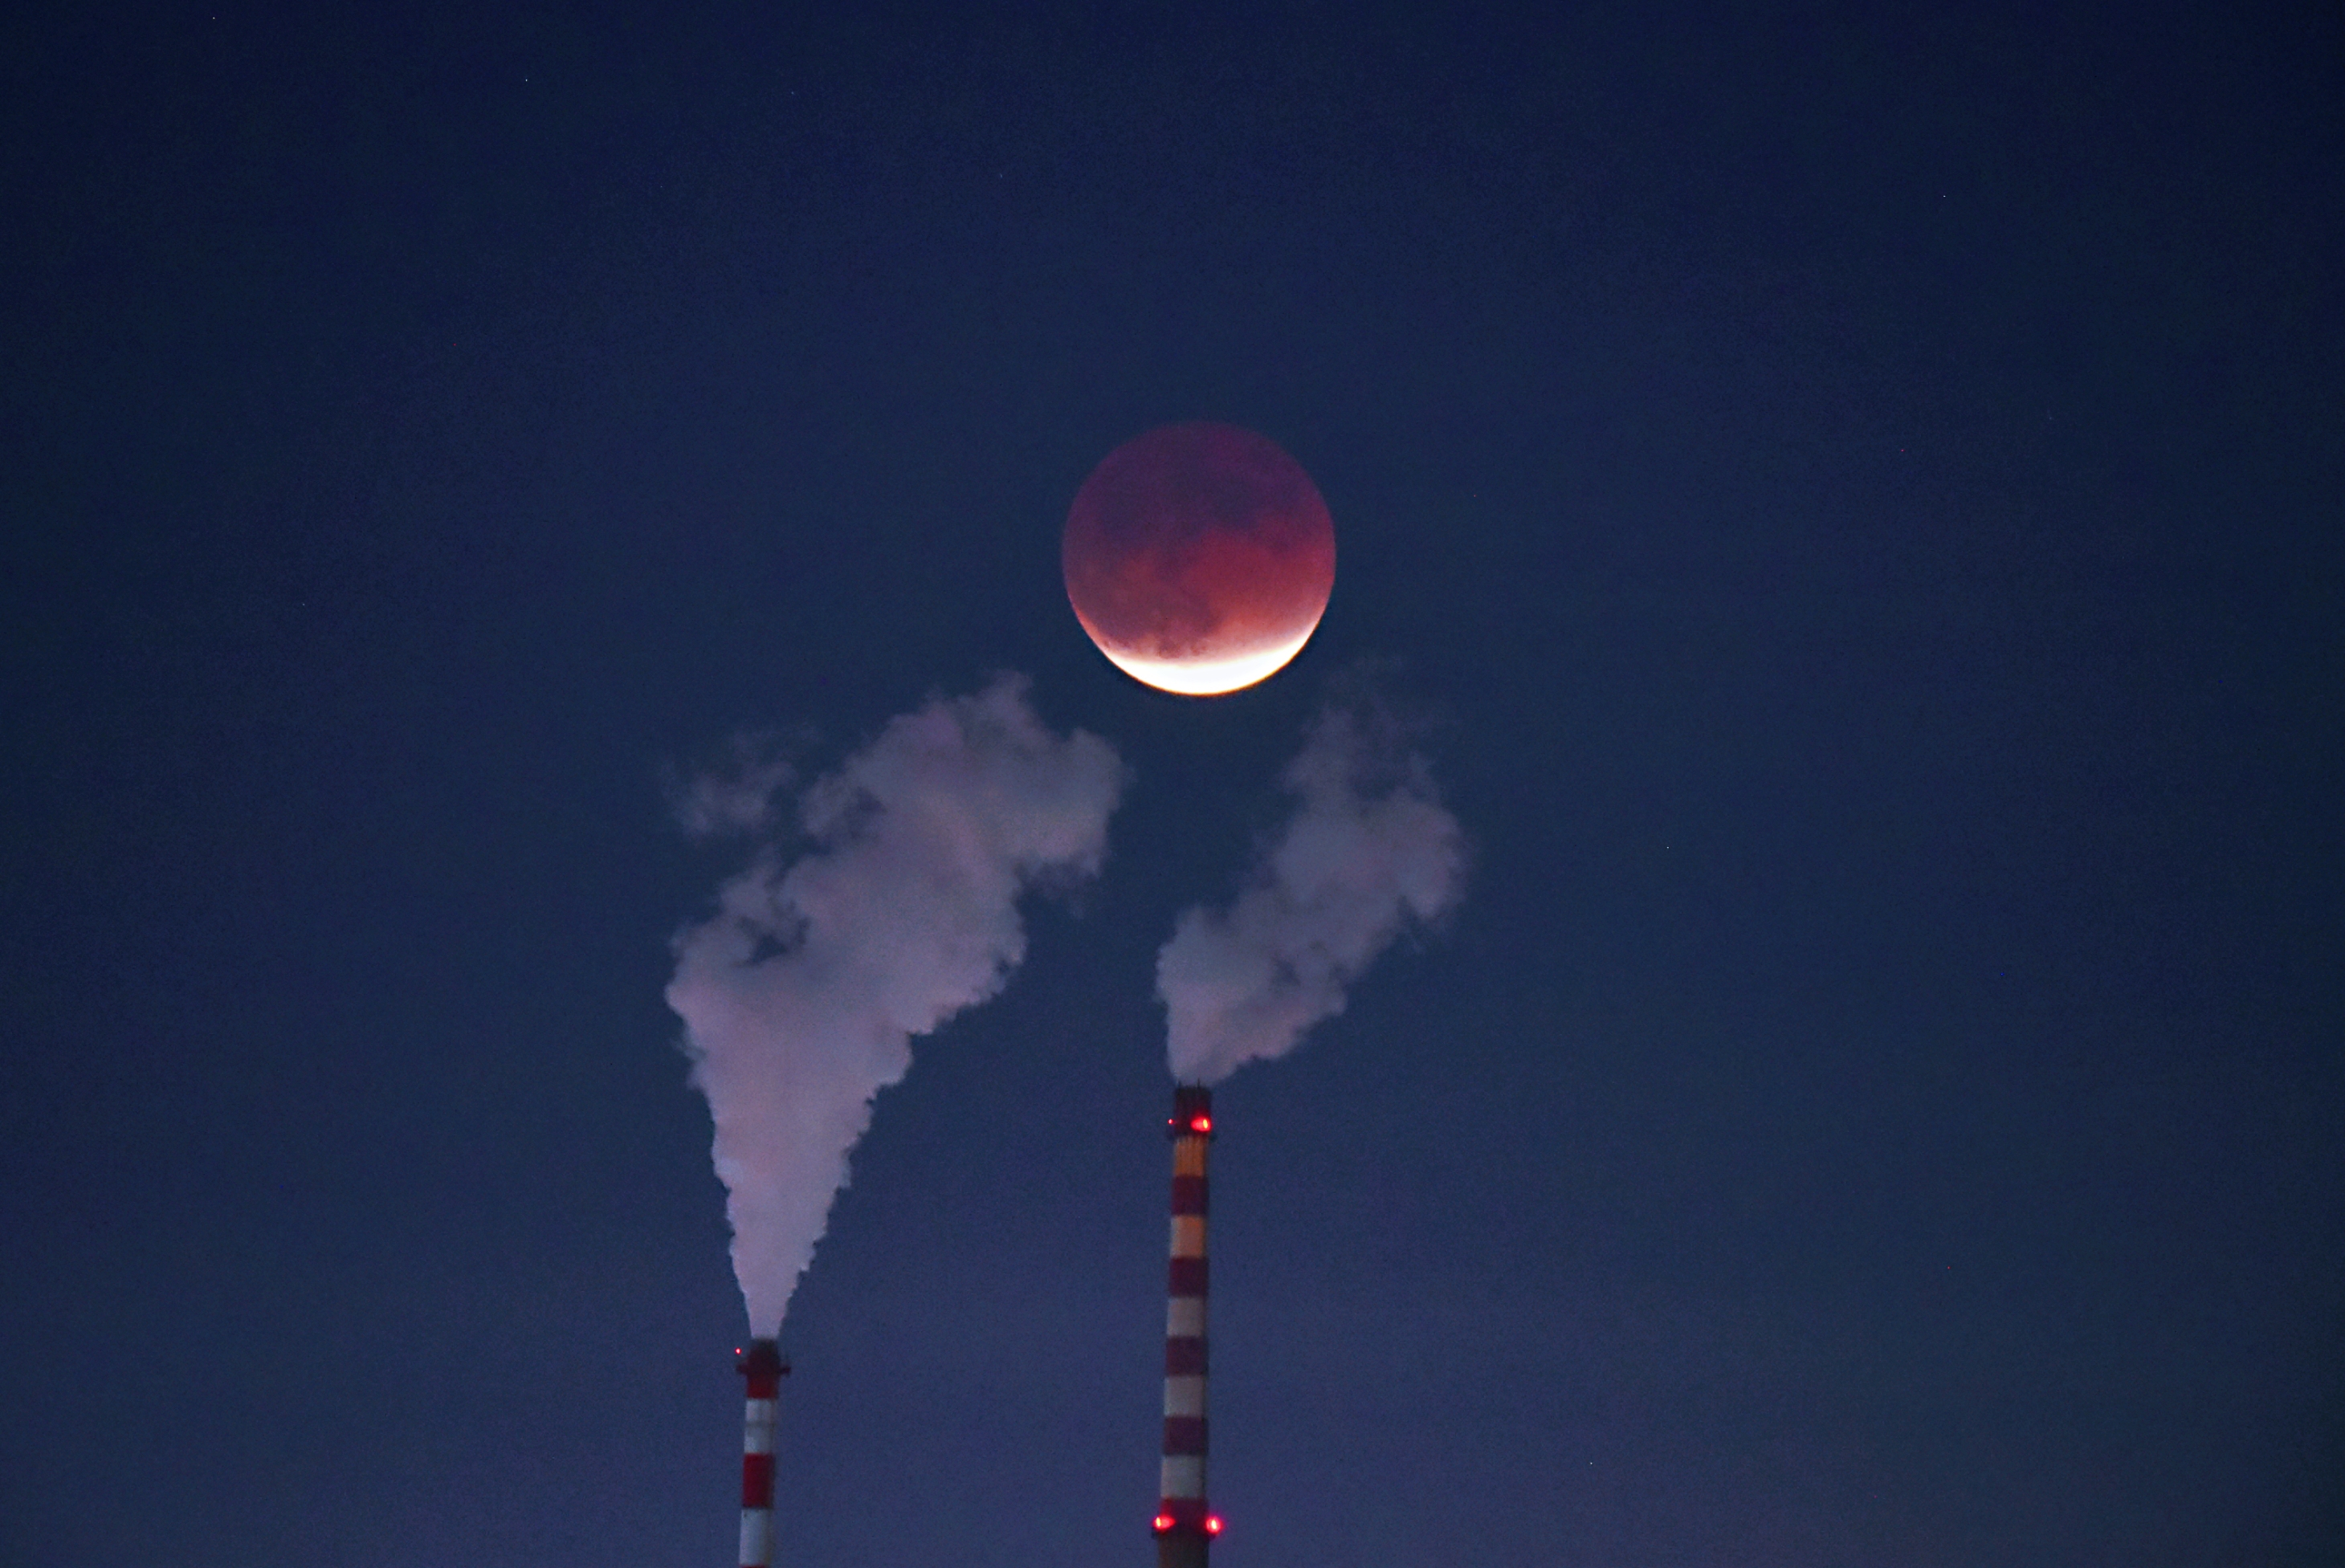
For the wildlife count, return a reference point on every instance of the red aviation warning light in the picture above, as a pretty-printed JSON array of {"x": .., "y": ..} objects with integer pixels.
[
  {"x": 1211, "y": 1525},
  {"x": 1192, "y": 1112}
]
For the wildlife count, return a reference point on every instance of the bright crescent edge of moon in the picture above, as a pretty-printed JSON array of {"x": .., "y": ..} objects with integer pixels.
[{"x": 1202, "y": 679}]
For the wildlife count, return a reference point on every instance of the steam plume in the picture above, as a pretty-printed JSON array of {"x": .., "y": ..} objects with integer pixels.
[
  {"x": 801, "y": 995},
  {"x": 1368, "y": 852}
]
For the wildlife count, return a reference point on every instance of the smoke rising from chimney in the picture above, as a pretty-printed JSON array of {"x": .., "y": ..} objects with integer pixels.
[
  {"x": 1368, "y": 852},
  {"x": 801, "y": 995}
]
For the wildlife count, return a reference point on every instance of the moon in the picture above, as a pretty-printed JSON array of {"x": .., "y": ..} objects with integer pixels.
[{"x": 1199, "y": 558}]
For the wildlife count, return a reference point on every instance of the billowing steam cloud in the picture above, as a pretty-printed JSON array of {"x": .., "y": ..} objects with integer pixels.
[
  {"x": 800, "y": 996},
  {"x": 1368, "y": 852}
]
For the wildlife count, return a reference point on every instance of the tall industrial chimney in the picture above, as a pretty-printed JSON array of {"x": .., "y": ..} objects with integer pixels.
[
  {"x": 1185, "y": 1526},
  {"x": 763, "y": 1369}
]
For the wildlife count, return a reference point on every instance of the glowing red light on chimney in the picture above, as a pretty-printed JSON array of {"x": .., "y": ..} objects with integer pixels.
[
  {"x": 1161, "y": 1523},
  {"x": 1213, "y": 1524},
  {"x": 1201, "y": 1124}
]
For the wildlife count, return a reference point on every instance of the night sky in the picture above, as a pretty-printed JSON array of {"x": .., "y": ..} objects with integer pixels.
[{"x": 1853, "y": 498}]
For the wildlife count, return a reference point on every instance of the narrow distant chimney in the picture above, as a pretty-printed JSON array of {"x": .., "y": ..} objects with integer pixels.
[
  {"x": 763, "y": 1369},
  {"x": 1185, "y": 1526}
]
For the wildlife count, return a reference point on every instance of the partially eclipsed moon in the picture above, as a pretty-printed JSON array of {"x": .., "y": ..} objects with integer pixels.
[{"x": 1199, "y": 557}]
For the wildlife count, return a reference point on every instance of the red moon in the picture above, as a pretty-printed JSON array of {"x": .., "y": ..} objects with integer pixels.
[{"x": 1200, "y": 558}]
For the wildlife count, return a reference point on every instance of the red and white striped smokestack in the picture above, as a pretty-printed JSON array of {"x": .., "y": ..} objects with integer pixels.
[
  {"x": 1185, "y": 1525},
  {"x": 763, "y": 1369}
]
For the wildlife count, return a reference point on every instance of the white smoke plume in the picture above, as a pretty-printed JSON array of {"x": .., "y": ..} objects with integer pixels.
[
  {"x": 801, "y": 995},
  {"x": 1369, "y": 852},
  {"x": 736, "y": 794}
]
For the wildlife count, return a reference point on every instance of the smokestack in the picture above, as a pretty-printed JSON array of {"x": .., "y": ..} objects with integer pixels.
[
  {"x": 763, "y": 1369},
  {"x": 1185, "y": 1526}
]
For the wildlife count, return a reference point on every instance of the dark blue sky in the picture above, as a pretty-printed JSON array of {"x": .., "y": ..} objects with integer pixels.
[{"x": 1858, "y": 494}]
